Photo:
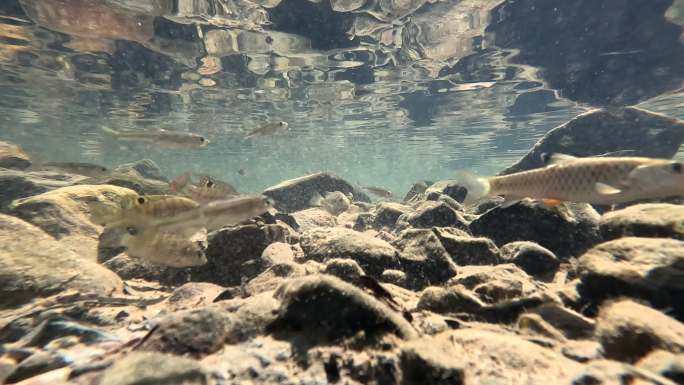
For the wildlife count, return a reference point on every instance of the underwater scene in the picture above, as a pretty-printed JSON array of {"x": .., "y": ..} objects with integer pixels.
[{"x": 305, "y": 192}]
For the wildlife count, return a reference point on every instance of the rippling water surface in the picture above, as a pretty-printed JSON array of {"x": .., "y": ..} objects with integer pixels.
[{"x": 381, "y": 92}]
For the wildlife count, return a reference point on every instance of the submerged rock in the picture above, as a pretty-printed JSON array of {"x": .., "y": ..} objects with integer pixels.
[
  {"x": 567, "y": 229},
  {"x": 424, "y": 258},
  {"x": 495, "y": 283},
  {"x": 327, "y": 307},
  {"x": 440, "y": 214},
  {"x": 235, "y": 253},
  {"x": 657, "y": 220},
  {"x": 629, "y": 331},
  {"x": 453, "y": 299},
  {"x": 34, "y": 264},
  {"x": 314, "y": 218},
  {"x": 387, "y": 213},
  {"x": 569, "y": 322},
  {"x": 149, "y": 368},
  {"x": 607, "y": 372},
  {"x": 295, "y": 194},
  {"x": 602, "y": 131},
  {"x": 145, "y": 168},
  {"x": 432, "y": 361},
  {"x": 467, "y": 250},
  {"x": 664, "y": 364},
  {"x": 417, "y": 188},
  {"x": 372, "y": 254},
  {"x": 64, "y": 214},
  {"x": 133, "y": 180},
  {"x": 16, "y": 184},
  {"x": 13, "y": 156},
  {"x": 448, "y": 188},
  {"x": 128, "y": 267},
  {"x": 647, "y": 268},
  {"x": 529, "y": 256}
]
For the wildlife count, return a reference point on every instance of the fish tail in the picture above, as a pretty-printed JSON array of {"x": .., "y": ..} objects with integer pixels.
[
  {"x": 104, "y": 214},
  {"x": 110, "y": 131},
  {"x": 477, "y": 187}
]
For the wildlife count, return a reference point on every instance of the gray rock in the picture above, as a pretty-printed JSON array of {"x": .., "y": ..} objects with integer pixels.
[
  {"x": 364, "y": 221},
  {"x": 629, "y": 331},
  {"x": 440, "y": 214},
  {"x": 495, "y": 283},
  {"x": 16, "y": 184},
  {"x": 536, "y": 260},
  {"x": 235, "y": 253},
  {"x": 133, "y": 180},
  {"x": 314, "y": 218},
  {"x": 567, "y": 229},
  {"x": 490, "y": 357},
  {"x": 423, "y": 258},
  {"x": 13, "y": 156},
  {"x": 249, "y": 317},
  {"x": 275, "y": 275},
  {"x": 602, "y": 131},
  {"x": 571, "y": 323},
  {"x": 657, "y": 220},
  {"x": 192, "y": 295},
  {"x": 395, "y": 277},
  {"x": 467, "y": 250},
  {"x": 607, "y": 372},
  {"x": 664, "y": 364},
  {"x": 344, "y": 269},
  {"x": 278, "y": 252},
  {"x": 448, "y": 188},
  {"x": 417, "y": 188},
  {"x": 327, "y": 307},
  {"x": 138, "y": 368},
  {"x": 145, "y": 168},
  {"x": 453, "y": 299},
  {"x": 372, "y": 254},
  {"x": 64, "y": 214},
  {"x": 431, "y": 361},
  {"x": 646, "y": 268},
  {"x": 127, "y": 267},
  {"x": 34, "y": 265},
  {"x": 295, "y": 194},
  {"x": 387, "y": 213}
]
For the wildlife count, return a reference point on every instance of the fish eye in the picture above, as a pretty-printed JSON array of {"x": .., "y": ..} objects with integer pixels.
[
  {"x": 269, "y": 201},
  {"x": 132, "y": 230},
  {"x": 282, "y": 123},
  {"x": 201, "y": 139},
  {"x": 141, "y": 200},
  {"x": 677, "y": 167}
]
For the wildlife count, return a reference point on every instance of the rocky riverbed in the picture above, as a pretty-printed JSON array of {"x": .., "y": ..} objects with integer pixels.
[{"x": 421, "y": 291}]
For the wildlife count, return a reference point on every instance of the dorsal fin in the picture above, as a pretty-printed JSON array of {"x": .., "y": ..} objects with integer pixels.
[{"x": 549, "y": 158}]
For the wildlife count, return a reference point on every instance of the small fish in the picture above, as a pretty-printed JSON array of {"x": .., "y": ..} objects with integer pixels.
[
  {"x": 242, "y": 172},
  {"x": 378, "y": 191},
  {"x": 268, "y": 129},
  {"x": 166, "y": 248},
  {"x": 595, "y": 180},
  {"x": 208, "y": 189},
  {"x": 171, "y": 139},
  {"x": 86, "y": 169},
  {"x": 137, "y": 209},
  {"x": 335, "y": 202},
  {"x": 215, "y": 215}
]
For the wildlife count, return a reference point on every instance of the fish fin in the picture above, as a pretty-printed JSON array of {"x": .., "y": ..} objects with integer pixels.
[
  {"x": 605, "y": 189},
  {"x": 477, "y": 187},
  {"x": 509, "y": 202},
  {"x": 179, "y": 182},
  {"x": 551, "y": 202},
  {"x": 316, "y": 199},
  {"x": 110, "y": 131},
  {"x": 550, "y": 158},
  {"x": 103, "y": 213},
  {"x": 615, "y": 153}
]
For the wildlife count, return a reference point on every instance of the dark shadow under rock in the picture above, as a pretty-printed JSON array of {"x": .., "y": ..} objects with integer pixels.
[
  {"x": 603, "y": 131},
  {"x": 329, "y": 308},
  {"x": 372, "y": 254},
  {"x": 567, "y": 229},
  {"x": 295, "y": 194},
  {"x": 657, "y": 220},
  {"x": 645, "y": 268},
  {"x": 423, "y": 258}
]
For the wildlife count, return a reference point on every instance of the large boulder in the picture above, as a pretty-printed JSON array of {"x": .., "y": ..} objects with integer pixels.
[
  {"x": 13, "y": 156},
  {"x": 295, "y": 194},
  {"x": 16, "y": 184},
  {"x": 659, "y": 220},
  {"x": 64, "y": 214},
  {"x": 646, "y": 268},
  {"x": 529, "y": 256},
  {"x": 629, "y": 331},
  {"x": 372, "y": 254},
  {"x": 34, "y": 264},
  {"x": 567, "y": 229},
  {"x": 598, "y": 132}
]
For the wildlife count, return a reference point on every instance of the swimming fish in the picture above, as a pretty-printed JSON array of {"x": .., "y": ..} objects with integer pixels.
[
  {"x": 335, "y": 202},
  {"x": 208, "y": 189},
  {"x": 379, "y": 191},
  {"x": 86, "y": 169},
  {"x": 171, "y": 139},
  {"x": 268, "y": 129},
  {"x": 139, "y": 210},
  {"x": 166, "y": 248},
  {"x": 595, "y": 180},
  {"x": 242, "y": 172}
]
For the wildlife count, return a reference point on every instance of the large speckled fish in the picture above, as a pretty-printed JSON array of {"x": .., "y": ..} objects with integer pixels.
[
  {"x": 139, "y": 209},
  {"x": 596, "y": 180}
]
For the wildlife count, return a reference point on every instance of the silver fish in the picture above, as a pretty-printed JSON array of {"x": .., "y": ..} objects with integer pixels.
[
  {"x": 86, "y": 169},
  {"x": 268, "y": 129},
  {"x": 171, "y": 139},
  {"x": 379, "y": 191}
]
